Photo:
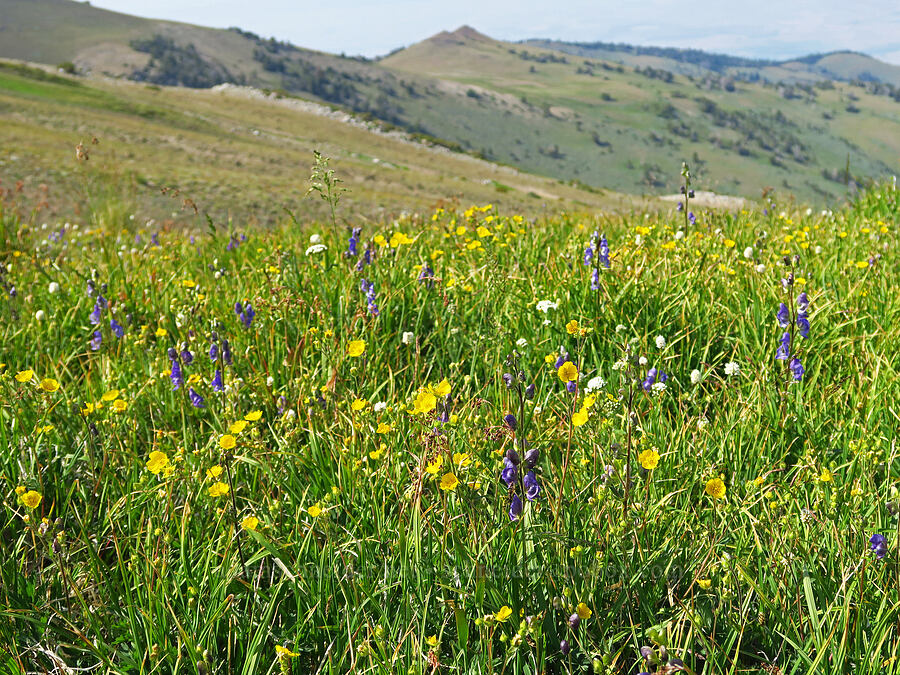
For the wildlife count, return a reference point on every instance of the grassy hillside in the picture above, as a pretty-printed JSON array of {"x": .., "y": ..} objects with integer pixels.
[
  {"x": 235, "y": 154},
  {"x": 622, "y": 126},
  {"x": 586, "y": 120},
  {"x": 845, "y": 66}
]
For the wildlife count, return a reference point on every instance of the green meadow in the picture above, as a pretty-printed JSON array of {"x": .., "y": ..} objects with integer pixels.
[{"x": 478, "y": 437}]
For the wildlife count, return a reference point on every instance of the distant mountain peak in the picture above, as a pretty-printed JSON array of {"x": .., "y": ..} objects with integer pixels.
[{"x": 460, "y": 35}]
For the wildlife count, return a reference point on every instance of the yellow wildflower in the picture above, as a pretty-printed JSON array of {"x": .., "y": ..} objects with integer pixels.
[
  {"x": 449, "y": 482},
  {"x": 356, "y": 347},
  {"x": 715, "y": 488},
  {"x": 31, "y": 499},
  {"x": 24, "y": 376},
  {"x": 649, "y": 459},
  {"x": 219, "y": 489}
]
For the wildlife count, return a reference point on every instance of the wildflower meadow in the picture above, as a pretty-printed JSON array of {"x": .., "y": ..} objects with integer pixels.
[{"x": 462, "y": 441}]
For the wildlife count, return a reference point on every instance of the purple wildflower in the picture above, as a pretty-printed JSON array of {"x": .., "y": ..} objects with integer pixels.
[
  {"x": 213, "y": 351},
  {"x": 509, "y": 473},
  {"x": 216, "y": 383},
  {"x": 94, "y": 318},
  {"x": 176, "y": 376},
  {"x": 532, "y": 488},
  {"x": 878, "y": 545},
  {"x": 515, "y": 508},
  {"x": 796, "y": 368},
  {"x": 196, "y": 399},
  {"x": 116, "y": 328},
  {"x": 510, "y": 421},
  {"x": 96, "y": 341},
  {"x": 226, "y": 353},
  {"x": 784, "y": 348},
  {"x": 604, "y": 252},
  {"x": 783, "y": 316},
  {"x": 186, "y": 356}
]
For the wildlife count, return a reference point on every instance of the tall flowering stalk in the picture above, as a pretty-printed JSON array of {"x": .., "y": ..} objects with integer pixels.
[
  {"x": 794, "y": 319},
  {"x": 519, "y": 461}
]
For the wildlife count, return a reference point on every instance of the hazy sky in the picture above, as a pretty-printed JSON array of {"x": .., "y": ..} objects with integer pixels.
[{"x": 760, "y": 28}]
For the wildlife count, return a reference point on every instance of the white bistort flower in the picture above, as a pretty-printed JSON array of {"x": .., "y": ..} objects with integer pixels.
[
  {"x": 521, "y": 342},
  {"x": 53, "y": 288},
  {"x": 407, "y": 338},
  {"x": 748, "y": 252},
  {"x": 316, "y": 248},
  {"x": 660, "y": 342},
  {"x": 695, "y": 376},
  {"x": 732, "y": 368},
  {"x": 595, "y": 383},
  {"x": 378, "y": 407}
]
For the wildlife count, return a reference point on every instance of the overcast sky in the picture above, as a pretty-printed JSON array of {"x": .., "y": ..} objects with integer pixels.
[{"x": 764, "y": 28}]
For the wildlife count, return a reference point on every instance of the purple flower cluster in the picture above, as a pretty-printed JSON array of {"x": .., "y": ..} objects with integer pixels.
[
  {"x": 784, "y": 318},
  {"x": 878, "y": 545},
  {"x": 245, "y": 313},
  {"x": 353, "y": 244},
  {"x": 653, "y": 376},
  {"x": 368, "y": 288},
  {"x": 597, "y": 255},
  {"x": 234, "y": 242},
  {"x": 426, "y": 276}
]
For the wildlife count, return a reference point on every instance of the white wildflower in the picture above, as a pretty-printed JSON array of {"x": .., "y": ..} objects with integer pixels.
[
  {"x": 732, "y": 368},
  {"x": 270, "y": 381},
  {"x": 761, "y": 269},
  {"x": 546, "y": 305},
  {"x": 315, "y": 238},
  {"x": 679, "y": 235},
  {"x": 643, "y": 361},
  {"x": 748, "y": 252},
  {"x": 695, "y": 376},
  {"x": 316, "y": 248},
  {"x": 595, "y": 383},
  {"x": 521, "y": 342},
  {"x": 39, "y": 315},
  {"x": 380, "y": 406},
  {"x": 660, "y": 342},
  {"x": 408, "y": 338},
  {"x": 53, "y": 288}
]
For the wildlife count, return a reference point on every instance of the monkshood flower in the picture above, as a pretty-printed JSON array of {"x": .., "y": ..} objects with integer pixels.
[
  {"x": 878, "y": 545},
  {"x": 176, "y": 376},
  {"x": 116, "y": 328},
  {"x": 173, "y": 353},
  {"x": 368, "y": 288},
  {"x": 692, "y": 218},
  {"x": 563, "y": 357},
  {"x": 784, "y": 348},
  {"x": 797, "y": 369},
  {"x": 783, "y": 315},
  {"x": 213, "y": 351},
  {"x": 226, "y": 352},
  {"x": 595, "y": 280},
  {"x": 532, "y": 487},
  {"x": 604, "y": 252},
  {"x": 510, "y": 421},
  {"x": 531, "y": 458},
  {"x": 515, "y": 508},
  {"x": 426, "y": 276},
  {"x": 365, "y": 259},
  {"x": 653, "y": 375},
  {"x": 803, "y": 315},
  {"x": 216, "y": 383},
  {"x": 196, "y": 399},
  {"x": 352, "y": 250},
  {"x": 96, "y": 341},
  {"x": 245, "y": 313},
  {"x": 94, "y": 317},
  {"x": 186, "y": 355},
  {"x": 530, "y": 391},
  {"x": 509, "y": 473}
]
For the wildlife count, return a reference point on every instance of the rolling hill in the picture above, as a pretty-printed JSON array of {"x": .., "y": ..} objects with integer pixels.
[
  {"x": 589, "y": 118},
  {"x": 239, "y": 155}
]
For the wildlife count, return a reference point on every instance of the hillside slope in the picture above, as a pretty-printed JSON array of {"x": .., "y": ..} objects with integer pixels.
[
  {"x": 236, "y": 153},
  {"x": 587, "y": 120}
]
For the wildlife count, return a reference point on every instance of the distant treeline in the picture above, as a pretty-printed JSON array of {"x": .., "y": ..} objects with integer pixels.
[{"x": 172, "y": 64}]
